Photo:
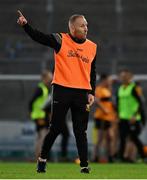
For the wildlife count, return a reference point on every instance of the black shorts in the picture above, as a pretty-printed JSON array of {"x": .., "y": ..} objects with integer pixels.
[
  {"x": 41, "y": 124},
  {"x": 102, "y": 124}
]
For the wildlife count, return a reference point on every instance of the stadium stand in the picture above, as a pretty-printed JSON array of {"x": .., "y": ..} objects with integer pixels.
[{"x": 15, "y": 46}]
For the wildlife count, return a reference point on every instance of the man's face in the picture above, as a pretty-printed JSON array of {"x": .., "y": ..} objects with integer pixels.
[
  {"x": 125, "y": 77},
  {"x": 108, "y": 81},
  {"x": 80, "y": 28}
]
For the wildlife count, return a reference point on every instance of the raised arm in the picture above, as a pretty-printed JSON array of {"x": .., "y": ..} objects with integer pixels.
[{"x": 53, "y": 40}]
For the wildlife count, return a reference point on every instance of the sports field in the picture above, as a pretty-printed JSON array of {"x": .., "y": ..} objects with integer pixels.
[{"x": 71, "y": 171}]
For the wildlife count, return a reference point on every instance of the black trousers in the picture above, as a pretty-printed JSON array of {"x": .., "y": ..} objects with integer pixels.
[
  {"x": 63, "y": 100},
  {"x": 64, "y": 141},
  {"x": 130, "y": 130}
]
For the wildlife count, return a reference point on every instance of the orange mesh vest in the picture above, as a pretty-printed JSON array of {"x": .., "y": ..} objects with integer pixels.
[
  {"x": 102, "y": 92},
  {"x": 73, "y": 63}
]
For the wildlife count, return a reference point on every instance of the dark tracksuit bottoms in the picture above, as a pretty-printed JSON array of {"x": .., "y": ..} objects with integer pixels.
[
  {"x": 132, "y": 130},
  {"x": 64, "y": 99},
  {"x": 64, "y": 141}
]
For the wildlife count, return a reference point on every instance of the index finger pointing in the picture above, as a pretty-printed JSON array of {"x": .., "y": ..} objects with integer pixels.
[{"x": 19, "y": 13}]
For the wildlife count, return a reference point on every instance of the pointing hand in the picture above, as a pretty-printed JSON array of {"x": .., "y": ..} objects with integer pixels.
[{"x": 21, "y": 20}]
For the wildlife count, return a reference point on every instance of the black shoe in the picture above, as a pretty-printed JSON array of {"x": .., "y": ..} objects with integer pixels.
[
  {"x": 85, "y": 170},
  {"x": 41, "y": 167}
]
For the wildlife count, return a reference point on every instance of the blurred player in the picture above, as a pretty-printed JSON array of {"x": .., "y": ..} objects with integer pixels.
[
  {"x": 105, "y": 116},
  {"x": 130, "y": 112},
  {"x": 38, "y": 115},
  {"x": 131, "y": 150}
]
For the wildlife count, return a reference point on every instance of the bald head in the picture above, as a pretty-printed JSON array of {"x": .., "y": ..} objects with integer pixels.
[
  {"x": 74, "y": 17},
  {"x": 78, "y": 26}
]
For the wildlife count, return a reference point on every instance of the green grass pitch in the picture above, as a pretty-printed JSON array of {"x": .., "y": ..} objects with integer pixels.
[{"x": 72, "y": 171}]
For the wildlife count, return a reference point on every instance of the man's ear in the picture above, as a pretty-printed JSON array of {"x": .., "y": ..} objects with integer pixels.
[{"x": 71, "y": 27}]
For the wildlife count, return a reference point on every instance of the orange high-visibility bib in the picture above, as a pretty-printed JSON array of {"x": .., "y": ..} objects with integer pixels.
[{"x": 73, "y": 63}]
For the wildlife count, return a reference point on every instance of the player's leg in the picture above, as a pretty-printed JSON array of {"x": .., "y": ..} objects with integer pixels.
[
  {"x": 123, "y": 132},
  {"x": 95, "y": 156},
  {"x": 80, "y": 122},
  {"x": 134, "y": 133},
  {"x": 60, "y": 107},
  {"x": 39, "y": 140},
  {"x": 64, "y": 142}
]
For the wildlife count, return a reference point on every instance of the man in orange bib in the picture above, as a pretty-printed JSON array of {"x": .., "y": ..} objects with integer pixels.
[{"x": 73, "y": 83}]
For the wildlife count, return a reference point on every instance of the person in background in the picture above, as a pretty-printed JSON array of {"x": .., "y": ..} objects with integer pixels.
[
  {"x": 130, "y": 153},
  {"x": 104, "y": 118},
  {"x": 131, "y": 114},
  {"x": 39, "y": 116}
]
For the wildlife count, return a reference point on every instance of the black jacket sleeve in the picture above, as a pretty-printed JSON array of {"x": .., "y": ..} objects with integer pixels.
[
  {"x": 117, "y": 101},
  {"x": 93, "y": 76},
  {"x": 93, "y": 69},
  {"x": 53, "y": 40},
  {"x": 141, "y": 104}
]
